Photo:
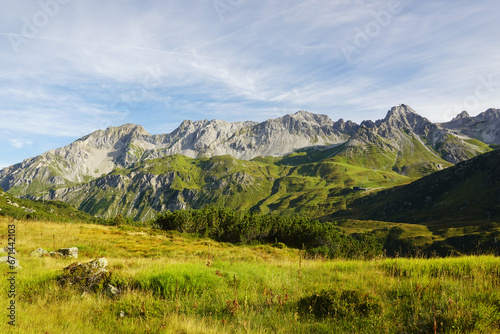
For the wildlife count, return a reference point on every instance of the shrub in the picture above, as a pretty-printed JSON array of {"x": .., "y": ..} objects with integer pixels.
[
  {"x": 247, "y": 228},
  {"x": 332, "y": 303}
]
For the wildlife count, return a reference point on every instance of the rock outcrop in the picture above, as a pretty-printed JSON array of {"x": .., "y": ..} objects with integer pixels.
[
  {"x": 484, "y": 127},
  {"x": 90, "y": 277},
  {"x": 39, "y": 252}
]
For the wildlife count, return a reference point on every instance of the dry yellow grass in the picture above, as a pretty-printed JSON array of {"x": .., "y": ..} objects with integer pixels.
[{"x": 174, "y": 283}]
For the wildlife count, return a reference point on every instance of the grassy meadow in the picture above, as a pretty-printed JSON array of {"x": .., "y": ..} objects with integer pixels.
[{"x": 180, "y": 283}]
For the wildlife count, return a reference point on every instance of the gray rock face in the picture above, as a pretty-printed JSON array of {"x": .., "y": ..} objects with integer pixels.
[
  {"x": 484, "y": 127},
  {"x": 120, "y": 147}
]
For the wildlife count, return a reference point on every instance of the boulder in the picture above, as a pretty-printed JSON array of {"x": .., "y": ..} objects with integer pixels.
[
  {"x": 91, "y": 276},
  {"x": 98, "y": 265},
  {"x": 111, "y": 291},
  {"x": 69, "y": 252},
  {"x": 8, "y": 249},
  {"x": 9, "y": 260},
  {"x": 56, "y": 254},
  {"x": 39, "y": 252},
  {"x": 94, "y": 267}
]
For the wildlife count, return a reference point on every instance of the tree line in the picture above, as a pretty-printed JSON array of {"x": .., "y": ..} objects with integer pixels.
[{"x": 225, "y": 225}]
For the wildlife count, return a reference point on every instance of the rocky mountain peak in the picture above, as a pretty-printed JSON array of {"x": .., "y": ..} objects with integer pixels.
[
  {"x": 399, "y": 112},
  {"x": 484, "y": 127},
  {"x": 303, "y": 116},
  {"x": 462, "y": 115},
  {"x": 130, "y": 127},
  {"x": 368, "y": 124},
  {"x": 116, "y": 132},
  {"x": 490, "y": 114},
  {"x": 123, "y": 130},
  {"x": 348, "y": 127},
  {"x": 401, "y": 117}
]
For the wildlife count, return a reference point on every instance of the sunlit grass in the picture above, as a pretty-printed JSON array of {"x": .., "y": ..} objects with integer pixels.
[{"x": 176, "y": 283}]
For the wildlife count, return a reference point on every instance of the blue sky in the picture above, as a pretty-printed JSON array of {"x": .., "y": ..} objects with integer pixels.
[{"x": 69, "y": 67}]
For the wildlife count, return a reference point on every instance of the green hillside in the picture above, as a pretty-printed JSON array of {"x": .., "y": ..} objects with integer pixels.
[
  {"x": 54, "y": 211},
  {"x": 466, "y": 193},
  {"x": 459, "y": 205},
  {"x": 307, "y": 182}
]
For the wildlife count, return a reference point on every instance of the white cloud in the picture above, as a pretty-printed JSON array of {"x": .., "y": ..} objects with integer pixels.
[
  {"x": 96, "y": 64},
  {"x": 20, "y": 143}
]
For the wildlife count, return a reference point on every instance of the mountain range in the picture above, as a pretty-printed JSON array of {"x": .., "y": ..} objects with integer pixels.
[{"x": 300, "y": 163}]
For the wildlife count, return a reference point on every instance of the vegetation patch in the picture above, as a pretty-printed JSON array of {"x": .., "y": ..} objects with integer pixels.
[
  {"x": 225, "y": 225},
  {"x": 172, "y": 282},
  {"x": 339, "y": 304}
]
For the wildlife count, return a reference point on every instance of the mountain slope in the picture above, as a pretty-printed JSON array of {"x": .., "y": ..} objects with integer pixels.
[
  {"x": 55, "y": 211},
  {"x": 120, "y": 147},
  {"x": 267, "y": 186},
  {"x": 484, "y": 127},
  {"x": 407, "y": 143},
  {"x": 463, "y": 195}
]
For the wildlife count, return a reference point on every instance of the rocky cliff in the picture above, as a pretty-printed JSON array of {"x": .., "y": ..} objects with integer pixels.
[
  {"x": 409, "y": 144},
  {"x": 484, "y": 127},
  {"x": 120, "y": 147}
]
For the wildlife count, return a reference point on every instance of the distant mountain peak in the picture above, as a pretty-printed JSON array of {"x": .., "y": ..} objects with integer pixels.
[
  {"x": 401, "y": 110},
  {"x": 116, "y": 132},
  {"x": 303, "y": 112},
  {"x": 125, "y": 129},
  {"x": 308, "y": 116},
  {"x": 462, "y": 115},
  {"x": 491, "y": 113},
  {"x": 484, "y": 127},
  {"x": 401, "y": 116},
  {"x": 129, "y": 127}
]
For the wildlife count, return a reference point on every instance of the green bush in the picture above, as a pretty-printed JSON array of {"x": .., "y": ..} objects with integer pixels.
[
  {"x": 338, "y": 304},
  {"x": 226, "y": 225}
]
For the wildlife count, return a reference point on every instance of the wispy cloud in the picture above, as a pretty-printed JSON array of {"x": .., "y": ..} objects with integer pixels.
[
  {"x": 94, "y": 64},
  {"x": 20, "y": 143}
]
